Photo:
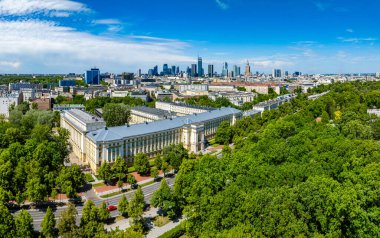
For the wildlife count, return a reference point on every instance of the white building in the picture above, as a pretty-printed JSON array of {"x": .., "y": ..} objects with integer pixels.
[
  {"x": 147, "y": 114},
  {"x": 182, "y": 109},
  {"x": 6, "y": 100},
  {"x": 192, "y": 87},
  {"x": 236, "y": 98},
  {"x": 78, "y": 123}
]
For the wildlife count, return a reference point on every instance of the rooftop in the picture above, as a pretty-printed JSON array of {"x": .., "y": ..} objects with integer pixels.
[
  {"x": 189, "y": 106},
  {"x": 118, "y": 133},
  {"x": 84, "y": 116},
  {"x": 153, "y": 111}
]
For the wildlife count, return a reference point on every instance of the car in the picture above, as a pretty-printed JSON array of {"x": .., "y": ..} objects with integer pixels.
[{"x": 111, "y": 208}]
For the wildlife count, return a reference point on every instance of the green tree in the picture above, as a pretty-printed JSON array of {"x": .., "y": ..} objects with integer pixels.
[
  {"x": 7, "y": 223},
  {"x": 120, "y": 168},
  {"x": 48, "y": 224},
  {"x": 154, "y": 173},
  {"x": 141, "y": 163},
  {"x": 105, "y": 172},
  {"x": 70, "y": 180},
  {"x": 89, "y": 213},
  {"x": 123, "y": 206},
  {"x": 103, "y": 213},
  {"x": 163, "y": 198},
  {"x": 24, "y": 224},
  {"x": 116, "y": 114},
  {"x": 36, "y": 191},
  {"x": 224, "y": 133},
  {"x": 174, "y": 155},
  {"x": 136, "y": 209},
  {"x": 158, "y": 162},
  {"x": 67, "y": 222}
]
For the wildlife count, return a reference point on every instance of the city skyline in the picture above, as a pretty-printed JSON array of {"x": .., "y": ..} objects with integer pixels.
[{"x": 62, "y": 36}]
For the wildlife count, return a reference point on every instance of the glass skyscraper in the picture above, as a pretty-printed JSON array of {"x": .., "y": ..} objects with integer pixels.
[
  {"x": 200, "y": 67},
  {"x": 92, "y": 76}
]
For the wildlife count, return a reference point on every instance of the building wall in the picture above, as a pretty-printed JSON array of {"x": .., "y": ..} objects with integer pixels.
[
  {"x": 180, "y": 109},
  {"x": 7, "y": 100}
]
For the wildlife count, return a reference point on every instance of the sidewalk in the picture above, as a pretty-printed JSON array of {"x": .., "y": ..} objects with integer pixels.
[{"x": 124, "y": 224}]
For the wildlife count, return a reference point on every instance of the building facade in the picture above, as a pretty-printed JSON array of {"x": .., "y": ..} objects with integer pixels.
[
  {"x": 182, "y": 109},
  {"x": 92, "y": 76},
  {"x": 7, "y": 100},
  {"x": 147, "y": 114}
]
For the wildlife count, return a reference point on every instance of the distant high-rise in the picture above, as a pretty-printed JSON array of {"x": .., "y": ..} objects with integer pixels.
[
  {"x": 247, "y": 70},
  {"x": 225, "y": 69},
  {"x": 210, "y": 70},
  {"x": 277, "y": 73},
  {"x": 139, "y": 73},
  {"x": 155, "y": 70},
  {"x": 173, "y": 70},
  {"x": 236, "y": 71},
  {"x": 165, "y": 69},
  {"x": 193, "y": 70},
  {"x": 92, "y": 76},
  {"x": 188, "y": 71},
  {"x": 200, "y": 67},
  {"x": 177, "y": 70}
]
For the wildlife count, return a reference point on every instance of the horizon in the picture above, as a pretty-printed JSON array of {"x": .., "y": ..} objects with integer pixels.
[{"x": 313, "y": 37}]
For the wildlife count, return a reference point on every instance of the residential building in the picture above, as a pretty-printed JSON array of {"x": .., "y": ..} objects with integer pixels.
[
  {"x": 7, "y": 100},
  {"x": 192, "y": 87},
  {"x": 236, "y": 98}
]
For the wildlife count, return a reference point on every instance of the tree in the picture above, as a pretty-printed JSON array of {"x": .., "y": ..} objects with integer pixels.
[
  {"x": 116, "y": 114},
  {"x": 131, "y": 179},
  {"x": 103, "y": 213},
  {"x": 7, "y": 223},
  {"x": 70, "y": 180},
  {"x": 120, "y": 168},
  {"x": 48, "y": 224},
  {"x": 123, "y": 206},
  {"x": 154, "y": 173},
  {"x": 136, "y": 209},
  {"x": 36, "y": 190},
  {"x": 89, "y": 213},
  {"x": 24, "y": 224},
  {"x": 141, "y": 163},
  {"x": 223, "y": 133},
  {"x": 163, "y": 197},
  {"x": 165, "y": 168},
  {"x": 158, "y": 162},
  {"x": 174, "y": 155},
  {"x": 67, "y": 222},
  {"x": 105, "y": 172}
]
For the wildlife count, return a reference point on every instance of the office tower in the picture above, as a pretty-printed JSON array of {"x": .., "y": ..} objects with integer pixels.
[
  {"x": 92, "y": 76},
  {"x": 236, "y": 71},
  {"x": 247, "y": 70},
  {"x": 200, "y": 67},
  {"x": 210, "y": 70},
  {"x": 193, "y": 70},
  {"x": 177, "y": 70},
  {"x": 225, "y": 69},
  {"x": 277, "y": 73},
  {"x": 165, "y": 69},
  {"x": 139, "y": 73},
  {"x": 173, "y": 70},
  {"x": 155, "y": 70},
  {"x": 286, "y": 73},
  {"x": 150, "y": 72},
  {"x": 188, "y": 71}
]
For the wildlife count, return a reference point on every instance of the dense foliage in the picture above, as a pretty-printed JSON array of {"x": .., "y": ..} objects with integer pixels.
[
  {"x": 100, "y": 102},
  {"x": 292, "y": 174},
  {"x": 116, "y": 114},
  {"x": 32, "y": 156}
]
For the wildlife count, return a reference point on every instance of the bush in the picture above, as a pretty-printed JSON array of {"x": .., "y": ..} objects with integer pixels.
[{"x": 176, "y": 232}]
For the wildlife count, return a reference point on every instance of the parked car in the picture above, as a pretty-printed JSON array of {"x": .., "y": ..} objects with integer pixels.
[{"x": 111, "y": 208}]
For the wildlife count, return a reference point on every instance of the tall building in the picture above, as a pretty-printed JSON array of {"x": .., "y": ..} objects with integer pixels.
[
  {"x": 177, "y": 70},
  {"x": 225, "y": 69},
  {"x": 155, "y": 70},
  {"x": 139, "y": 73},
  {"x": 236, "y": 71},
  {"x": 210, "y": 70},
  {"x": 173, "y": 70},
  {"x": 378, "y": 75},
  {"x": 188, "y": 71},
  {"x": 165, "y": 69},
  {"x": 193, "y": 70},
  {"x": 200, "y": 67},
  {"x": 247, "y": 70},
  {"x": 92, "y": 76},
  {"x": 277, "y": 73}
]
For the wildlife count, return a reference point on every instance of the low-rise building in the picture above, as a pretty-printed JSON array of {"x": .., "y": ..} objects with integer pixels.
[
  {"x": 68, "y": 107},
  {"x": 182, "y": 109},
  {"x": 236, "y": 98},
  {"x": 7, "y": 100},
  {"x": 147, "y": 114}
]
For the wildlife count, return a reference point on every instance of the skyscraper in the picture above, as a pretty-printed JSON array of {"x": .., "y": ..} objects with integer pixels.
[
  {"x": 92, "y": 76},
  {"x": 236, "y": 71},
  {"x": 173, "y": 70},
  {"x": 200, "y": 67},
  {"x": 193, "y": 70},
  {"x": 225, "y": 69},
  {"x": 210, "y": 70},
  {"x": 177, "y": 70},
  {"x": 277, "y": 73},
  {"x": 247, "y": 70},
  {"x": 155, "y": 70},
  {"x": 165, "y": 69}
]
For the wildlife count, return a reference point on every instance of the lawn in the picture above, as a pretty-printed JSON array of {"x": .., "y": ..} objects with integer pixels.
[
  {"x": 98, "y": 185},
  {"x": 160, "y": 221},
  {"x": 89, "y": 178},
  {"x": 148, "y": 183}
]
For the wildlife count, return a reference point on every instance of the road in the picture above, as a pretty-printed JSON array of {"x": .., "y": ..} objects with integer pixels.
[{"x": 38, "y": 215}]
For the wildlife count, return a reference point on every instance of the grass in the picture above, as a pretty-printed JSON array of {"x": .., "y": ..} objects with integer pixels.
[
  {"x": 98, "y": 185},
  {"x": 89, "y": 178},
  {"x": 148, "y": 183},
  {"x": 160, "y": 221},
  {"x": 119, "y": 218}
]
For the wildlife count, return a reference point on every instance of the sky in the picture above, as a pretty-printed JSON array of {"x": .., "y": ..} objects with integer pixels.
[{"x": 311, "y": 36}]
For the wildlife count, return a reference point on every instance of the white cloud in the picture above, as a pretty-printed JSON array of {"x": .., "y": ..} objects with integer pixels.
[
  {"x": 47, "y": 46},
  {"x": 59, "y": 8},
  {"x": 107, "y": 22},
  {"x": 349, "y": 30},
  {"x": 357, "y": 40},
  {"x": 12, "y": 64},
  {"x": 222, "y": 4}
]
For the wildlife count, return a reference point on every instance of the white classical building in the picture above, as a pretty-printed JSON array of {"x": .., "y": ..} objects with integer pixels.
[
  {"x": 79, "y": 123},
  {"x": 182, "y": 109},
  {"x": 95, "y": 144},
  {"x": 146, "y": 114}
]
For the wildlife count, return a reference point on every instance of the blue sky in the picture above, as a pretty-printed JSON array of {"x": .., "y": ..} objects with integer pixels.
[{"x": 312, "y": 36}]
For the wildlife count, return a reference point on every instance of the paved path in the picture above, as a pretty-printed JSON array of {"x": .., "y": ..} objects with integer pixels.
[
  {"x": 38, "y": 214},
  {"x": 157, "y": 231}
]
